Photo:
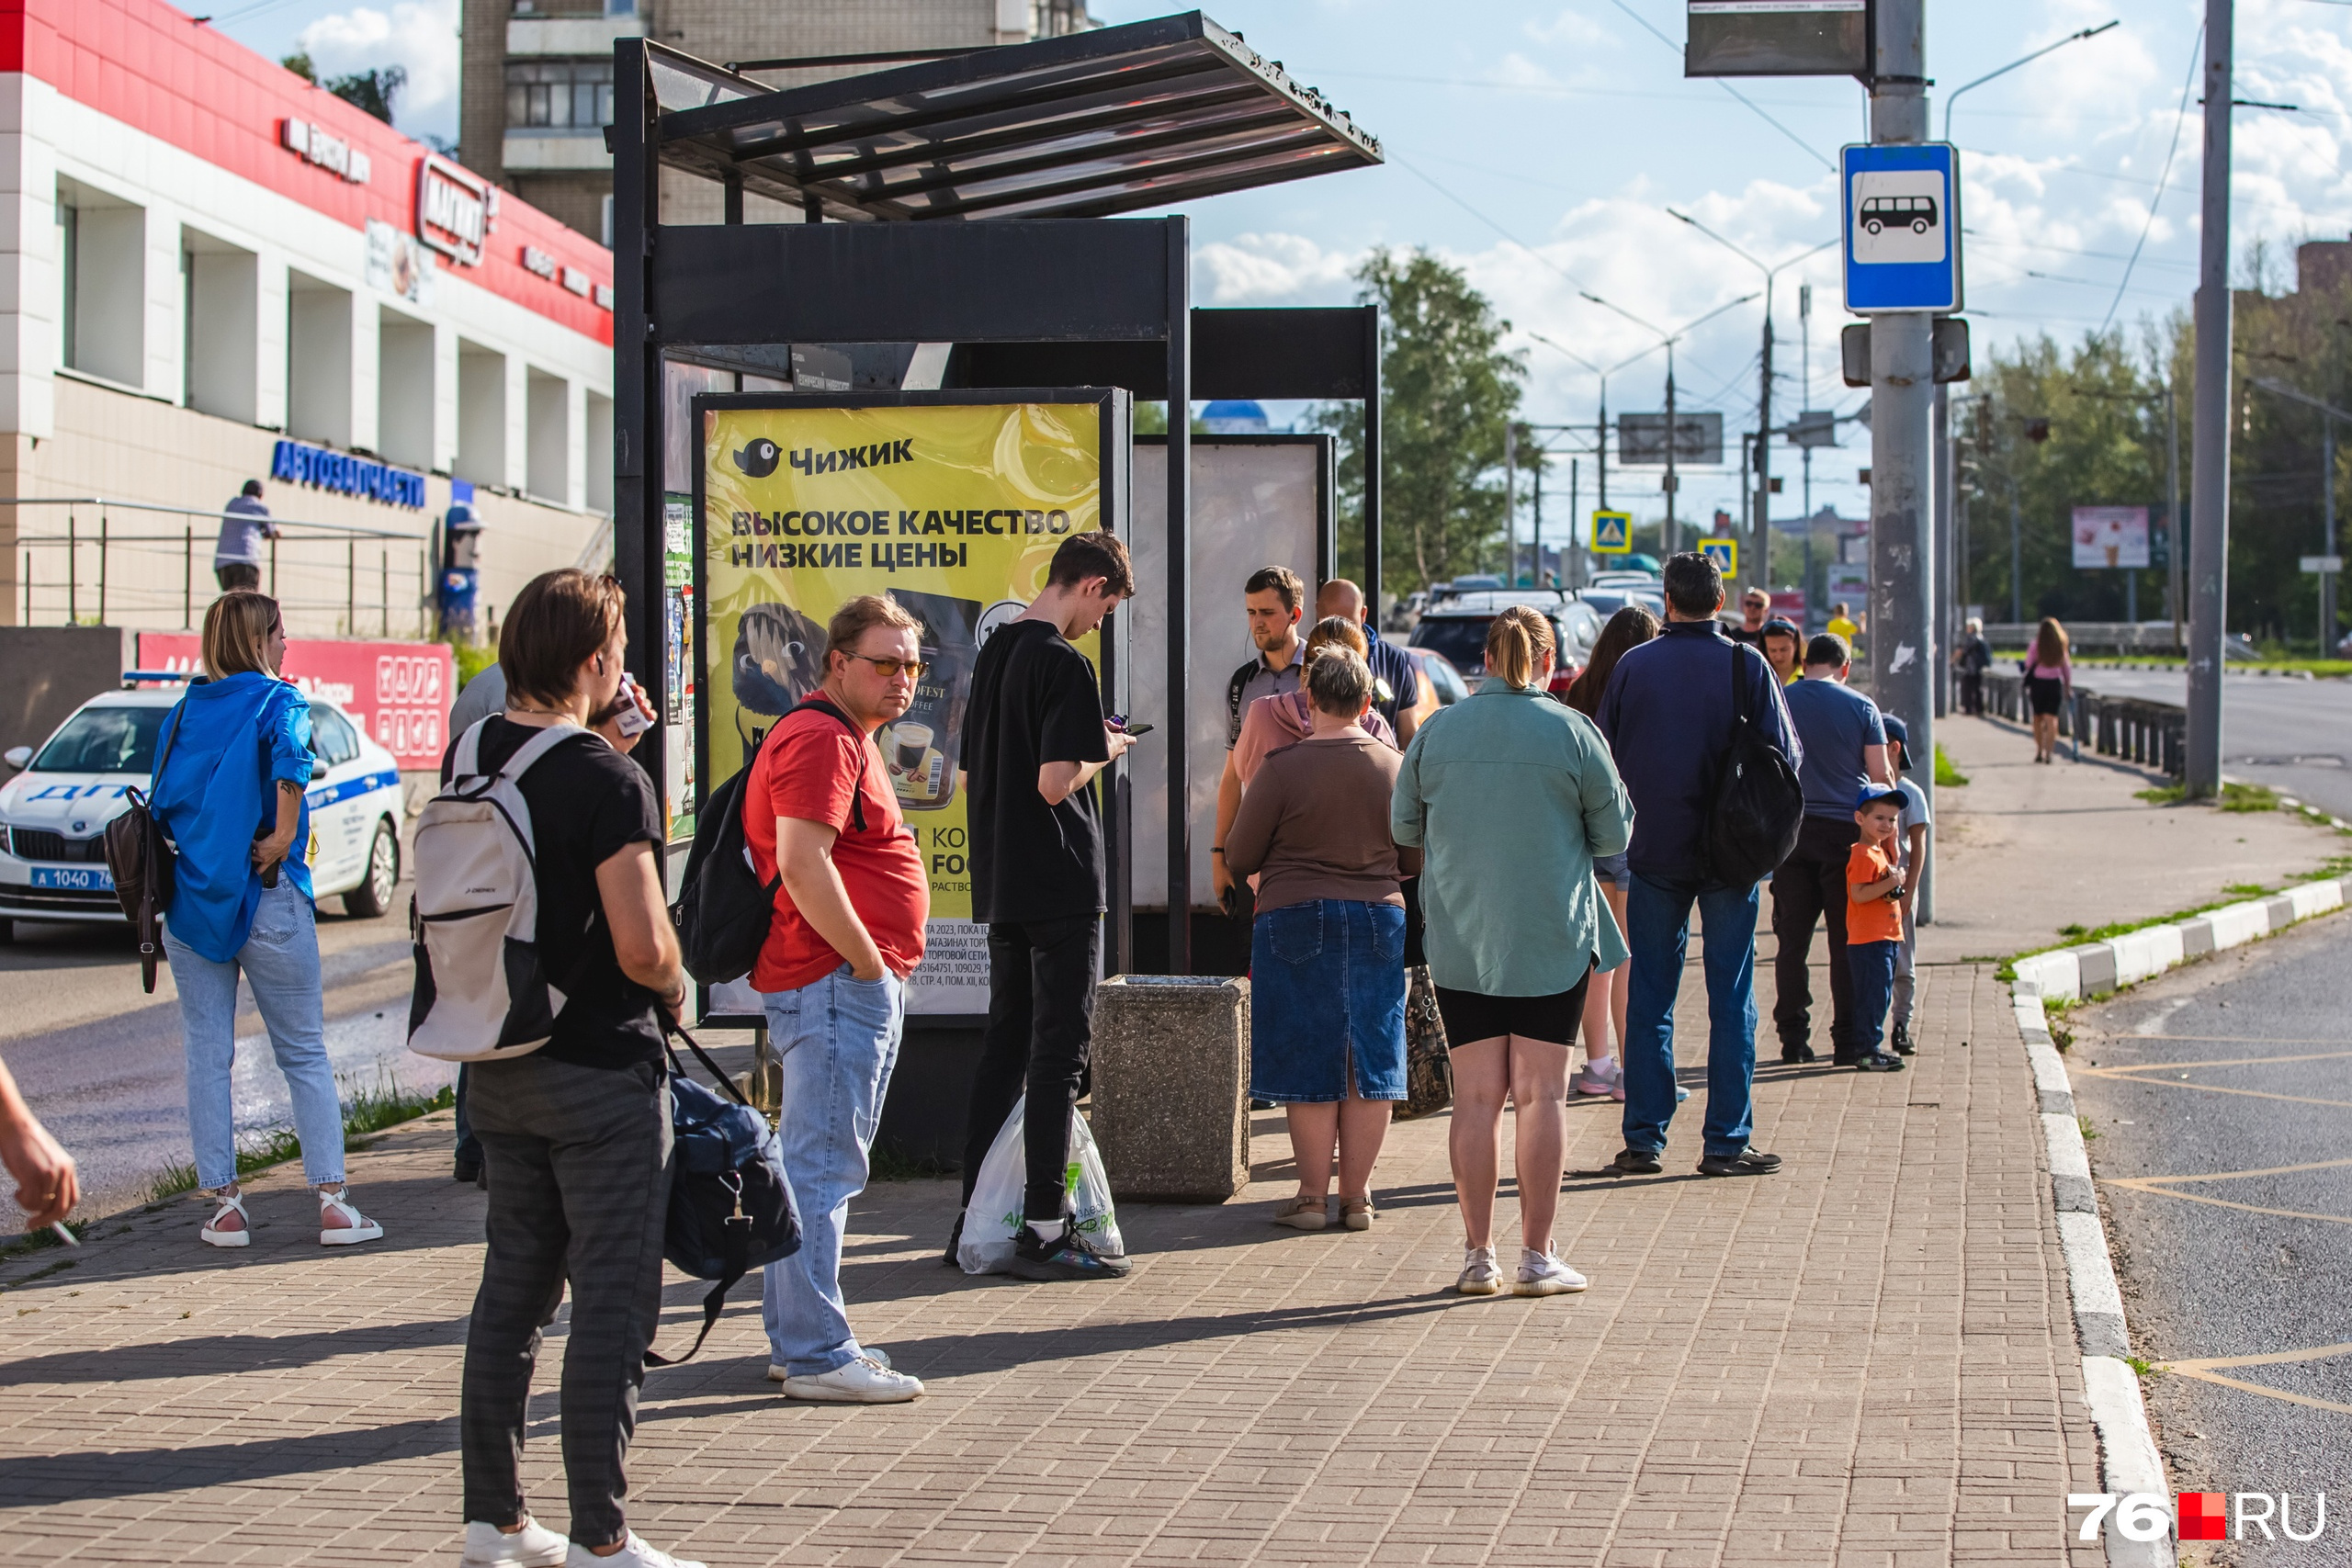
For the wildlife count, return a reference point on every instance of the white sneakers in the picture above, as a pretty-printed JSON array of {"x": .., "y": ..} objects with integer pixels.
[
  {"x": 634, "y": 1553},
  {"x": 1541, "y": 1274},
  {"x": 533, "y": 1546},
  {"x": 866, "y": 1380},
  {"x": 1479, "y": 1275},
  {"x": 536, "y": 1546}
]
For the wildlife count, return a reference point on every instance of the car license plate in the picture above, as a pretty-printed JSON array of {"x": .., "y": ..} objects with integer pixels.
[{"x": 74, "y": 878}]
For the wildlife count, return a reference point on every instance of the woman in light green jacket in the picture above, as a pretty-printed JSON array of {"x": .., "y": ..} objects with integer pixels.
[{"x": 1510, "y": 795}]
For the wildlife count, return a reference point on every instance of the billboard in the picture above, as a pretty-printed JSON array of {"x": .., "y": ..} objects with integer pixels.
[
  {"x": 1641, "y": 439},
  {"x": 952, "y": 504},
  {"x": 397, "y": 692},
  {"x": 2107, "y": 538}
]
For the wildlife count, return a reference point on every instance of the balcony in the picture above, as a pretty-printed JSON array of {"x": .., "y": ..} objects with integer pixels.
[
  {"x": 585, "y": 34},
  {"x": 547, "y": 150}
]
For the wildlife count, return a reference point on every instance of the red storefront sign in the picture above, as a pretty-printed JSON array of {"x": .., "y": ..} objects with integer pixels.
[{"x": 398, "y": 692}]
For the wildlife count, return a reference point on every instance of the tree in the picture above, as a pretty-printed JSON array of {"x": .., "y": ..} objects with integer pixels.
[
  {"x": 374, "y": 91},
  {"x": 1448, "y": 390}
]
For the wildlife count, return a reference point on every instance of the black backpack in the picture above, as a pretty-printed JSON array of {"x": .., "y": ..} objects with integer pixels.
[
  {"x": 731, "y": 1208},
  {"x": 1758, "y": 803},
  {"x": 723, "y": 909}
]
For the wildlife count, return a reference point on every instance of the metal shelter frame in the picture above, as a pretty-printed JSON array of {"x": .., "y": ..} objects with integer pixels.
[{"x": 1117, "y": 119}]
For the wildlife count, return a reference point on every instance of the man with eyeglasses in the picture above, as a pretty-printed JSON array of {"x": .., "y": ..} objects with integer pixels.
[{"x": 820, "y": 810}]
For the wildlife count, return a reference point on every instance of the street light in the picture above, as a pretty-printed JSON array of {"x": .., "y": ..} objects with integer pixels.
[
  {"x": 1601, "y": 425},
  {"x": 1760, "y": 567},
  {"x": 2329, "y": 414},
  {"x": 1667, "y": 340},
  {"x": 2012, "y": 66}
]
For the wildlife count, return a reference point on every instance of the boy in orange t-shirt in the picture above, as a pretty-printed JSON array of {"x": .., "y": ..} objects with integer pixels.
[{"x": 1875, "y": 922}]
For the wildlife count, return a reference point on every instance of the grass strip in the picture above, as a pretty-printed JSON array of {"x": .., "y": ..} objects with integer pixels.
[
  {"x": 1947, "y": 776},
  {"x": 367, "y": 1109}
]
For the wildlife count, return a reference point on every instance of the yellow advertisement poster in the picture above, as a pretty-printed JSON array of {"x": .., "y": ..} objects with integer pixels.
[{"x": 954, "y": 511}]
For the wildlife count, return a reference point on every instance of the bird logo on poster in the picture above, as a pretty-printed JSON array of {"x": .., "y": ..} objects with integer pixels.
[{"x": 759, "y": 459}]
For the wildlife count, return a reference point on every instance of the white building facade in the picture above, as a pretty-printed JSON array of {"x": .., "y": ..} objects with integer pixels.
[{"x": 212, "y": 271}]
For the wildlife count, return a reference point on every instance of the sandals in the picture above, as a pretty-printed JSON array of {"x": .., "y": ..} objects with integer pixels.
[
  {"x": 359, "y": 1228},
  {"x": 213, "y": 1237},
  {"x": 1357, "y": 1217},
  {"x": 1301, "y": 1213}
]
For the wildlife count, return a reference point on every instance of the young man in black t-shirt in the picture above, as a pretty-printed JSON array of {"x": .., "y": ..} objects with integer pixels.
[{"x": 1034, "y": 739}]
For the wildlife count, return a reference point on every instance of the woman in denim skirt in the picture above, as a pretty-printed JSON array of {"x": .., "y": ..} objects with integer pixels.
[{"x": 1327, "y": 958}]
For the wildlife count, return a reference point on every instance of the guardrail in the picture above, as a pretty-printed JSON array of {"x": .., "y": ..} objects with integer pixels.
[
  {"x": 2123, "y": 637},
  {"x": 2135, "y": 729}
]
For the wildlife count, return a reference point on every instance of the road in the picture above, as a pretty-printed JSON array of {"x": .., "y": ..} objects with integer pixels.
[
  {"x": 2295, "y": 736},
  {"x": 2217, "y": 1095},
  {"x": 101, "y": 1064}
]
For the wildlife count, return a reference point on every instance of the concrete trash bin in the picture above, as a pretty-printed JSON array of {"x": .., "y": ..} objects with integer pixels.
[{"x": 1171, "y": 1086}]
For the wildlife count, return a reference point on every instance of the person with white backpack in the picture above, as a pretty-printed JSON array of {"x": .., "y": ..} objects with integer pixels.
[{"x": 544, "y": 953}]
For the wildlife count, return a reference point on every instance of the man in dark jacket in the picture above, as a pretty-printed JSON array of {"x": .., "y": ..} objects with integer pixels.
[{"x": 1668, "y": 716}]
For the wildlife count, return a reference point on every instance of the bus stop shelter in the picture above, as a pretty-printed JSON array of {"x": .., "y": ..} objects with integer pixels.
[{"x": 958, "y": 227}]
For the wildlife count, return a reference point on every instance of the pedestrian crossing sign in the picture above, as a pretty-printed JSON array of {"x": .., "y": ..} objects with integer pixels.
[
  {"x": 1724, "y": 553},
  {"x": 1613, "y": 532}
]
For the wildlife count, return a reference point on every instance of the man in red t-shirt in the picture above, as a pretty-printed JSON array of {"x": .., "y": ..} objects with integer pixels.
[{"x": 847, "y": 931}]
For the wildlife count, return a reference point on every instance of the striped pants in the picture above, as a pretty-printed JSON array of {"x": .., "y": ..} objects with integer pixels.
[{"x": 578, "y": 1162}]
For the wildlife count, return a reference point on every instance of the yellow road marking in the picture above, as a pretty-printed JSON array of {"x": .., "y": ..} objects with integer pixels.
[
  {"x": 2233, "y": 1039},
  {"x": 2226, "y": 1203},
  {"x": 2304, "y": 1399},
  {"x": 2219, "y": 1062},
  {"x": 2269, "y": 1358},
  {"x": 2231, "y": 1174}
]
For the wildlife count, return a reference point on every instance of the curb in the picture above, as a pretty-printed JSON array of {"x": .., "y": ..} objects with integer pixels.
[
  {"x": 2128, "y": 1458},
  {"x": 2096, "y": 968}
]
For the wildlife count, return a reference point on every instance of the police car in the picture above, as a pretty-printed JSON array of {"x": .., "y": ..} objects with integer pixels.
[{"x": 53, "y": 813}]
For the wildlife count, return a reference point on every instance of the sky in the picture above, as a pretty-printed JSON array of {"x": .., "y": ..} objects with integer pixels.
[{"x": 1540, "y": 147}]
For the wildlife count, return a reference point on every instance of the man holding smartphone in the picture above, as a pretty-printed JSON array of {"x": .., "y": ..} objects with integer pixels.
[
  {"x": 820, "y": 811},
  {"x": 1034, "y": 739}
]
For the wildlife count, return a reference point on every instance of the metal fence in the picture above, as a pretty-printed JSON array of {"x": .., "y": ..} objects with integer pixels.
[
  {"x": 100, "y": 563},
  {"x": 2117, "y": 636},
  {"x": 2132, "y": 728}
]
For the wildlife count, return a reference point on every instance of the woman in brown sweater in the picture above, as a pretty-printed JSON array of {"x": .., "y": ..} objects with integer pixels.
[{"x": 1326, "y": 976}]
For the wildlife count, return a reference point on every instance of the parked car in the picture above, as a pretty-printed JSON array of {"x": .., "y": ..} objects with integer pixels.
[
  {"x": 55, "y": 812},
  {"x": 1444, "y": 679},
  {"x": 1455, "y": 625}
]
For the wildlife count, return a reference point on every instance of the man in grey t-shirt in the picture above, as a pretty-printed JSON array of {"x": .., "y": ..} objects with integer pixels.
[{"x": 244, "y": 524}]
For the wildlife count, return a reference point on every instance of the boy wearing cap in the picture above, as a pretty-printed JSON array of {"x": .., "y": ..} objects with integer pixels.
[
  {"x": 1911, "y": 846},
  {"x": 1873, "y": 923}
]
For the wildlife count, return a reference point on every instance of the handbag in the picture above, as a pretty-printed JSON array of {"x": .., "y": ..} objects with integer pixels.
[
  {"x": 731, "y": 1208},
  {"x": 140, "y": 859}
]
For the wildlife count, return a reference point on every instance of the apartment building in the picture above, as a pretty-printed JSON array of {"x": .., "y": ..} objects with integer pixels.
[
  {"x": 214, "y": 271},
  {"x": 537, "y": 75}
]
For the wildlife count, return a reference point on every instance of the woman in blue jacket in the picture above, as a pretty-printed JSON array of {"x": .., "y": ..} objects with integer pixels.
[{"x": 232, "y": 766}]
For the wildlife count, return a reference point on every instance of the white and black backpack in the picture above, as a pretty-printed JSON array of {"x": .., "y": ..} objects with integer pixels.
[{"x": 481, "y": 993}]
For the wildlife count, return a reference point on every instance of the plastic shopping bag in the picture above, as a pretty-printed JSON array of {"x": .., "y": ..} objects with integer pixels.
[{"x": 993, "y": 1218}]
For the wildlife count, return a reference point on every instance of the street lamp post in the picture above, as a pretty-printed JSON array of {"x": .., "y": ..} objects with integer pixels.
[
  {"x": 2209, "y": 467},
  {"x": 1600, "y": 424},
  {"x": 2329, "y": 413},
  {"x": 1760, "y": 555}
]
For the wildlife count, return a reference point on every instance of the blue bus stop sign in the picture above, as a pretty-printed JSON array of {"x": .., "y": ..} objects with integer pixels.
[{"x": 1902, "y": 232}]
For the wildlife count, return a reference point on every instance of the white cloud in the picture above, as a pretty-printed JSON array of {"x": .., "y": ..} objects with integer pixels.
[
  {"x": 1264, "y": 269},
  {"x": 1571, "y": 29},
  {"x": 419, "y": 36}
]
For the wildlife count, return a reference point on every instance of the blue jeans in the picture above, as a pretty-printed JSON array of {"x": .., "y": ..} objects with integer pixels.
[
  {"x": 1873, "y": 964},
  {"x": 1657, "y": 929},
  {"x": 836, "y": 1039},
  {"x": 281, "y": 960}
]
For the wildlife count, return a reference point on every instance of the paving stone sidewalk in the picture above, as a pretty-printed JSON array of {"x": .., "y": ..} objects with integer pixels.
[{"x": 1865, "y": 1359}]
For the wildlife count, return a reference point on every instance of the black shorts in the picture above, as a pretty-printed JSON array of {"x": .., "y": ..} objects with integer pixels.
[
  {"x": 2049, "y": 695},
  {"x": 1473, "y": 1015}
]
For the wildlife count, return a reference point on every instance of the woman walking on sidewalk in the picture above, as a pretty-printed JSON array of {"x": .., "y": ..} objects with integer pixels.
[
  {"x": 232, "y": 770},
  {"x": 1327, "y": 958},
  {"x": 1512, "y": 796},
  {"x": 2049, "y": 684},
  {"x": 1604, "y": 999},
  {"x": 575, "y": 1135}
]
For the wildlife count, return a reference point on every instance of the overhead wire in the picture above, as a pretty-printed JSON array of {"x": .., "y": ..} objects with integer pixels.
[
  {"x": 2180, "y": 118},
  {"x": 1809, "y": 151}
]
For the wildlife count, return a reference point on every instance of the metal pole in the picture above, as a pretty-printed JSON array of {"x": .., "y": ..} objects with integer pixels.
[
  {"x": 1510, "y": 504},
  {"x": 1535, "y": 527},
  {"x": 1571, "y": 560},
  {"x": 273, "y": 569},
  {"x": 102, "y": 567},
  {"x": 1902, "y": 563},
  {"x": 2016, "y": 583},
  {"x": 1759, "y": 564},
  {"x": 2327, "y": 538},
  {"x": 2209, "y": 462},
  {"x": 1940, "y": 660},
  {"x": 351, "y": 587},
  {"x": 1600, "y": 445},
  {"x": 1669, "y": 534},
  {"x": 384, "y": 590},
  {"x": 1373, "y": 564},
  {"x": 1180, "y": 598},
  {"x": 2174, "y": 524},
  {"x": 187, "y": 581},
  {"x": 73, "y": 571}
]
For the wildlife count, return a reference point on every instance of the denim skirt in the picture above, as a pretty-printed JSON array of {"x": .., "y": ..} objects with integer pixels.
[{"x": 1327, "y": 993}]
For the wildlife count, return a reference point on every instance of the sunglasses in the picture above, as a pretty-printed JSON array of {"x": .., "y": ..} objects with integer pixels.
[{"x": 889, "y": 669}]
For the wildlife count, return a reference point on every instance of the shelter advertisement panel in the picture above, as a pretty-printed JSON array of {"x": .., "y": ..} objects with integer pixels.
[
  {"x": 953, "y": 505},
  {"x": 2107, "y": 537}
]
